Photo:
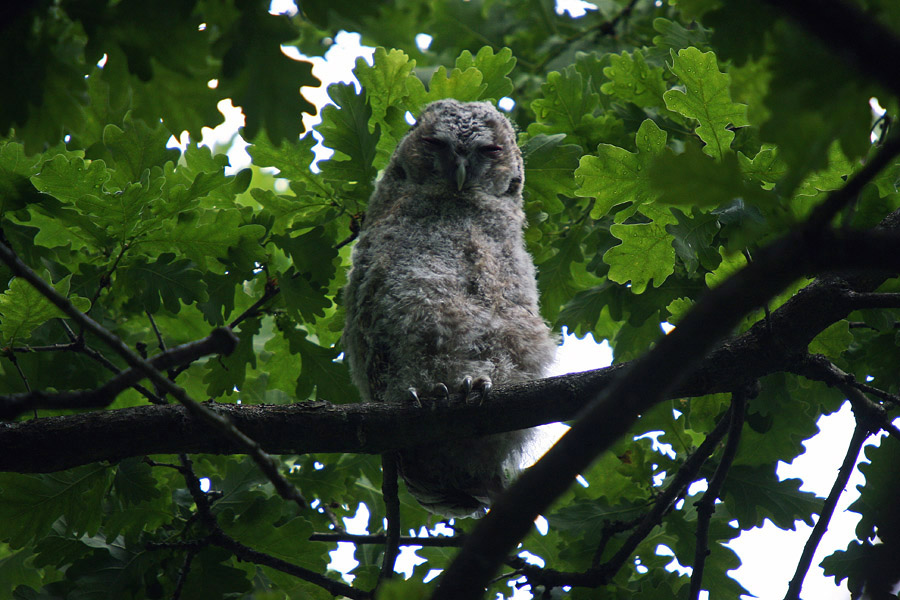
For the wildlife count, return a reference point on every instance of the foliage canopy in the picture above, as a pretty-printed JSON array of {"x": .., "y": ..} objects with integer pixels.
[{"x": 667, "y": 144}]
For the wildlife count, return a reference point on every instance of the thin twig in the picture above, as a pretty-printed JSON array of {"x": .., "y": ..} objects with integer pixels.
[
  {"x": 604, "y": 28},
  {"x": 878, "y": 393},
  {"x": 390, "y": 492},
  {"x": 183, "y": 573},
  {"x": 819, "y": 368},
  {"x": 434, "y": 542},
  {"x": 853, "y": 449},
  {"x": 218, "y": 537},
  {"x": 273, "y": 290},
  {"x": 159, "y": 338},
  {"x": 862, "y": 300},
  {"x": 335, "y": 521},
  {"x": 603, "y": 573},
  {"x": 220, "y": 341},
  {"x": 707, "y": 504}
]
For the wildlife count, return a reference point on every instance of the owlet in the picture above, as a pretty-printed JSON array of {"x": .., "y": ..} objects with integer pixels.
[{"x": 442, "y": 294}]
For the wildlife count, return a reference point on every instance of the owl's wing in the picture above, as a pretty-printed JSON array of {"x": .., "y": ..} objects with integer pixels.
[{"x": 377, "y": 365}]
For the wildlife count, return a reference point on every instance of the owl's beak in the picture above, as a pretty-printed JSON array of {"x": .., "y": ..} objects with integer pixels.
[{"x": 460, "y": 173}]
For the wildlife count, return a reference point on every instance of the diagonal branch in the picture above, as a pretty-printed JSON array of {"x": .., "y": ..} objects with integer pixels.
[
  {"x": 603, "y": 573},
  {"x": 219, "y": 538},
  {"x": 707, "y": 505},
  {"x": 853, "y": 449},
  {"x": 864, "y": 43}
]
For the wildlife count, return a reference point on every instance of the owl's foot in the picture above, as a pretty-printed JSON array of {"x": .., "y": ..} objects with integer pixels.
[
  {"x": 438, "y": 390},
  {"x": 482, "y": 385}
]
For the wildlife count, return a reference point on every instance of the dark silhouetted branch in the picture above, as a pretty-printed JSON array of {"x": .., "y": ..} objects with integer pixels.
[
  {"x": 706, "y": 506},
  {"x": 853, "y": 449}
]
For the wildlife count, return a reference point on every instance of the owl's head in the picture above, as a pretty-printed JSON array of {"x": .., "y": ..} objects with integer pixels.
[{"x": 462, "y": 146}]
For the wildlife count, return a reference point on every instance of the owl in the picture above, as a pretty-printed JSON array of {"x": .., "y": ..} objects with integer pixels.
[{"x": 442, "y": 294}]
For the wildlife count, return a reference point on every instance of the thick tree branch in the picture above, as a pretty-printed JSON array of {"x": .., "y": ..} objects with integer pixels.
[{"x": 376, "y": 428}]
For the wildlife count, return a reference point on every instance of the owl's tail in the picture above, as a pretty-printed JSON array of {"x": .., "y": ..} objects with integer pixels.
[{"x": 461, "y": 478}]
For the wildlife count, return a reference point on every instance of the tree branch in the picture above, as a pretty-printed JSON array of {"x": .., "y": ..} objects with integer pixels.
[
  {"x": 862, "y": 38},
  {"x": 853, "y": 449},
  {"x": 603, "y": 573},
  {"x": 434, "y": 542},
  {"x": 707, "y": 505},
  {"x": 219, "y": 341},
  {"x": 390, "y": 492},
  {"x": 219, "y": 538}
]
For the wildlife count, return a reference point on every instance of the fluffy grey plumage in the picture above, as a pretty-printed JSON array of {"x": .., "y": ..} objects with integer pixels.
[{"x": 443, "y": 289}]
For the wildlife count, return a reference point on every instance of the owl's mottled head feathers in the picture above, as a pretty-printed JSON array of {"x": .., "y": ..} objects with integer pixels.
[{"x": 458, "y": 147}]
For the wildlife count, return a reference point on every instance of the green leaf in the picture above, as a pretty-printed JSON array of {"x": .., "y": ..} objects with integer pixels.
[
  {"x": 752, "y": 494},
  {"x": 136, "y": 148},
  {"x": 70, "y": 178},
  {"x": 564, "y": 273},
  {"x": 494, "y": 69},
  {"x": 693, "y": 237},
  {"x": 16, "y": 569},
  {"x": 614, "y": 175},
  {"x": 16, "y": 169},
  {"x": 345, "y": 129},
  {"x": 386, "y": 80},
  {"x": 463, "y": 85},
  {"x": 694, "y": 179},
  {"x": 259, "y": 77},
  {"x": 549, "y": 168},
  {"x": 23, "y": 308},
  {"x": 164, "y": 279},
  {"x": 645, "y": 255},
  {"x": 319, "y": 370},
  {"x": 568, "y": 105},
  {"x": 631, "y": 79},
  {"x": 226, "y": 374},
  {"x": 706, "y": 98},
  {"x": 30, "y": 504},
  {"x": 765, "y": 168},
  {"x": 208, "y": 237},
  {"x": 133, "y": 482},
  {"x": 833, "y": 341},
  {"x": 877, "y": 497}
]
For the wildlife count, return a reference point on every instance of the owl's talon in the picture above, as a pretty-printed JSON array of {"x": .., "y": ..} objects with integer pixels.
[
  {"x": 483, "y": 385},
  {"x": 414, "y": 396},
  {"x": 440, "y": 389},
  {"x": 465, "y": 387}
]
